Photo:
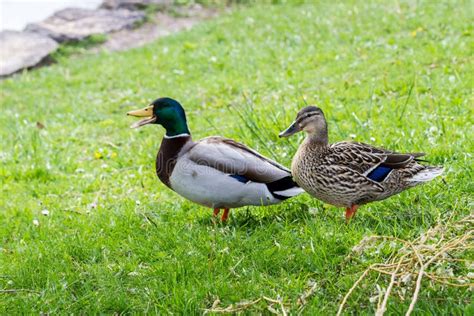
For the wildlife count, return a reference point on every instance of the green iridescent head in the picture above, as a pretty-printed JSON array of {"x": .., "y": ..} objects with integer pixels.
[{"x": 164, "y": 111}]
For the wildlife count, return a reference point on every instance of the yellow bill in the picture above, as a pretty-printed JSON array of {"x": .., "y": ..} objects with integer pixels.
[{"x": 146, "y": 112}]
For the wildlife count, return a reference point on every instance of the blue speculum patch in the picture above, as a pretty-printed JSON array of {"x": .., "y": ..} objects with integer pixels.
[
  {"x": 239, "y": 178},
  {"x": 379, "y": 174}
]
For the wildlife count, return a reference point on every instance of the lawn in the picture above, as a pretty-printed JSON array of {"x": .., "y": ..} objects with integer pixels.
[{"x": 396, "y": 74}]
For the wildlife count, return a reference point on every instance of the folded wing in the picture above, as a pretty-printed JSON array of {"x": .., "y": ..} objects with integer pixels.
[
  {"x": 372, "y": 162},
  {"x": 234, "y": 158}
]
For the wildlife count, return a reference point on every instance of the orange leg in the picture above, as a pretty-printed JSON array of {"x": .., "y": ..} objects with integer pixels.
[
  {"x": 216, "y": 212},
  {"x": 350, "y": 212},
  {"x": 225, "y": 215}
]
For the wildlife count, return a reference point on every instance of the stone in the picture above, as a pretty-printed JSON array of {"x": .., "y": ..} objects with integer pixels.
[
  {"x": 133, "y": 4},
  {"x": 74, "y": 24},
  {"x": 160, "y": 24},
  {"x": 20, "y": 50}
]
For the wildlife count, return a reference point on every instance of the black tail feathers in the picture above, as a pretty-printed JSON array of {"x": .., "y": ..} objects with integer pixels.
[{"x": 278, "y": 187}]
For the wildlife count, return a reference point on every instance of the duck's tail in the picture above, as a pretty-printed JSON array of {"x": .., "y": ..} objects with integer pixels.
[
  {"x": 284, "y": 188},
  {"x": 427, "y": 174}
]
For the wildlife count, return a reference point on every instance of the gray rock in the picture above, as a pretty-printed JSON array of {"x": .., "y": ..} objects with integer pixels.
[
  {"x": 19, "y": 50},
  {"x": 74, "y": 24},
  {"x": 133, "y": 4}
]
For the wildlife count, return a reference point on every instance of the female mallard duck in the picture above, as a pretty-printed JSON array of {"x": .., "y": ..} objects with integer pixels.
[
  {"x": 215, "y": 172},
  {"x": 348, "y": 174}
]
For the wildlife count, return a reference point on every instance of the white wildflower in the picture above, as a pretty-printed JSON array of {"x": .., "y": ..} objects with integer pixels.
[{"x": 374, "y": 298}]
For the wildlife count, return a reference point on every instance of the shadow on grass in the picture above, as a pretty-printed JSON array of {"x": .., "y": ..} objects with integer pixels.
[
  {"x": 254, "y": 218},
  {"x": 397, "y": 218}
]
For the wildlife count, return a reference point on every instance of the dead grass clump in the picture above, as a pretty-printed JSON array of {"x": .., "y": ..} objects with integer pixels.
[
  {"x": 274, "y": 306},
  {"x": 429, "y": 257},
  {"x": 436, "y": 257}
]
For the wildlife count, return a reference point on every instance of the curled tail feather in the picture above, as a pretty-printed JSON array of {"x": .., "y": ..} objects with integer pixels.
[{"x": 284, "y": 188}]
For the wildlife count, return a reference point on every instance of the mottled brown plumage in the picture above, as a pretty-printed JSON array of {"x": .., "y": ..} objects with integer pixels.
[{"x": 349, "y": 174}]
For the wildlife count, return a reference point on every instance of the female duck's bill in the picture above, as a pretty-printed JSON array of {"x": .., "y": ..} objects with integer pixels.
[
  {"x": 292, "y": 129},
  {"x": 147, "y": 112},
  {"x": 310, "y": 119}
]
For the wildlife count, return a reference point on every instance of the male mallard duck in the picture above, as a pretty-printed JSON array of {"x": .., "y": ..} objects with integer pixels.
[
  {"x": 348, "y": 174},
  {"x": 215, "y": 172}
]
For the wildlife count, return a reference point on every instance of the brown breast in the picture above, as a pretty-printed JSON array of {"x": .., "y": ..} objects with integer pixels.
[{"x": 167, "y": 157}]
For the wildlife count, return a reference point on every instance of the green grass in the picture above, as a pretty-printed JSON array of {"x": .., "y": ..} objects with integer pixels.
[
  {"x": 393, "y": 73},
  {"x": 72, "y": 48}
]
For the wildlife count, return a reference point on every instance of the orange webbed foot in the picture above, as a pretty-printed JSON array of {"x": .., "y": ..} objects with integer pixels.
[
  {"x": 225, "y": 215},
  {"x": 350, "y": 212}
]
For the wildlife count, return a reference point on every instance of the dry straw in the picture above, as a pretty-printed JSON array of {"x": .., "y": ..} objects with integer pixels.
[
  {"x": 418, "y": 259},
  {"x": 274, "y": 306},
  {"x": 410, "y": 264}
]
